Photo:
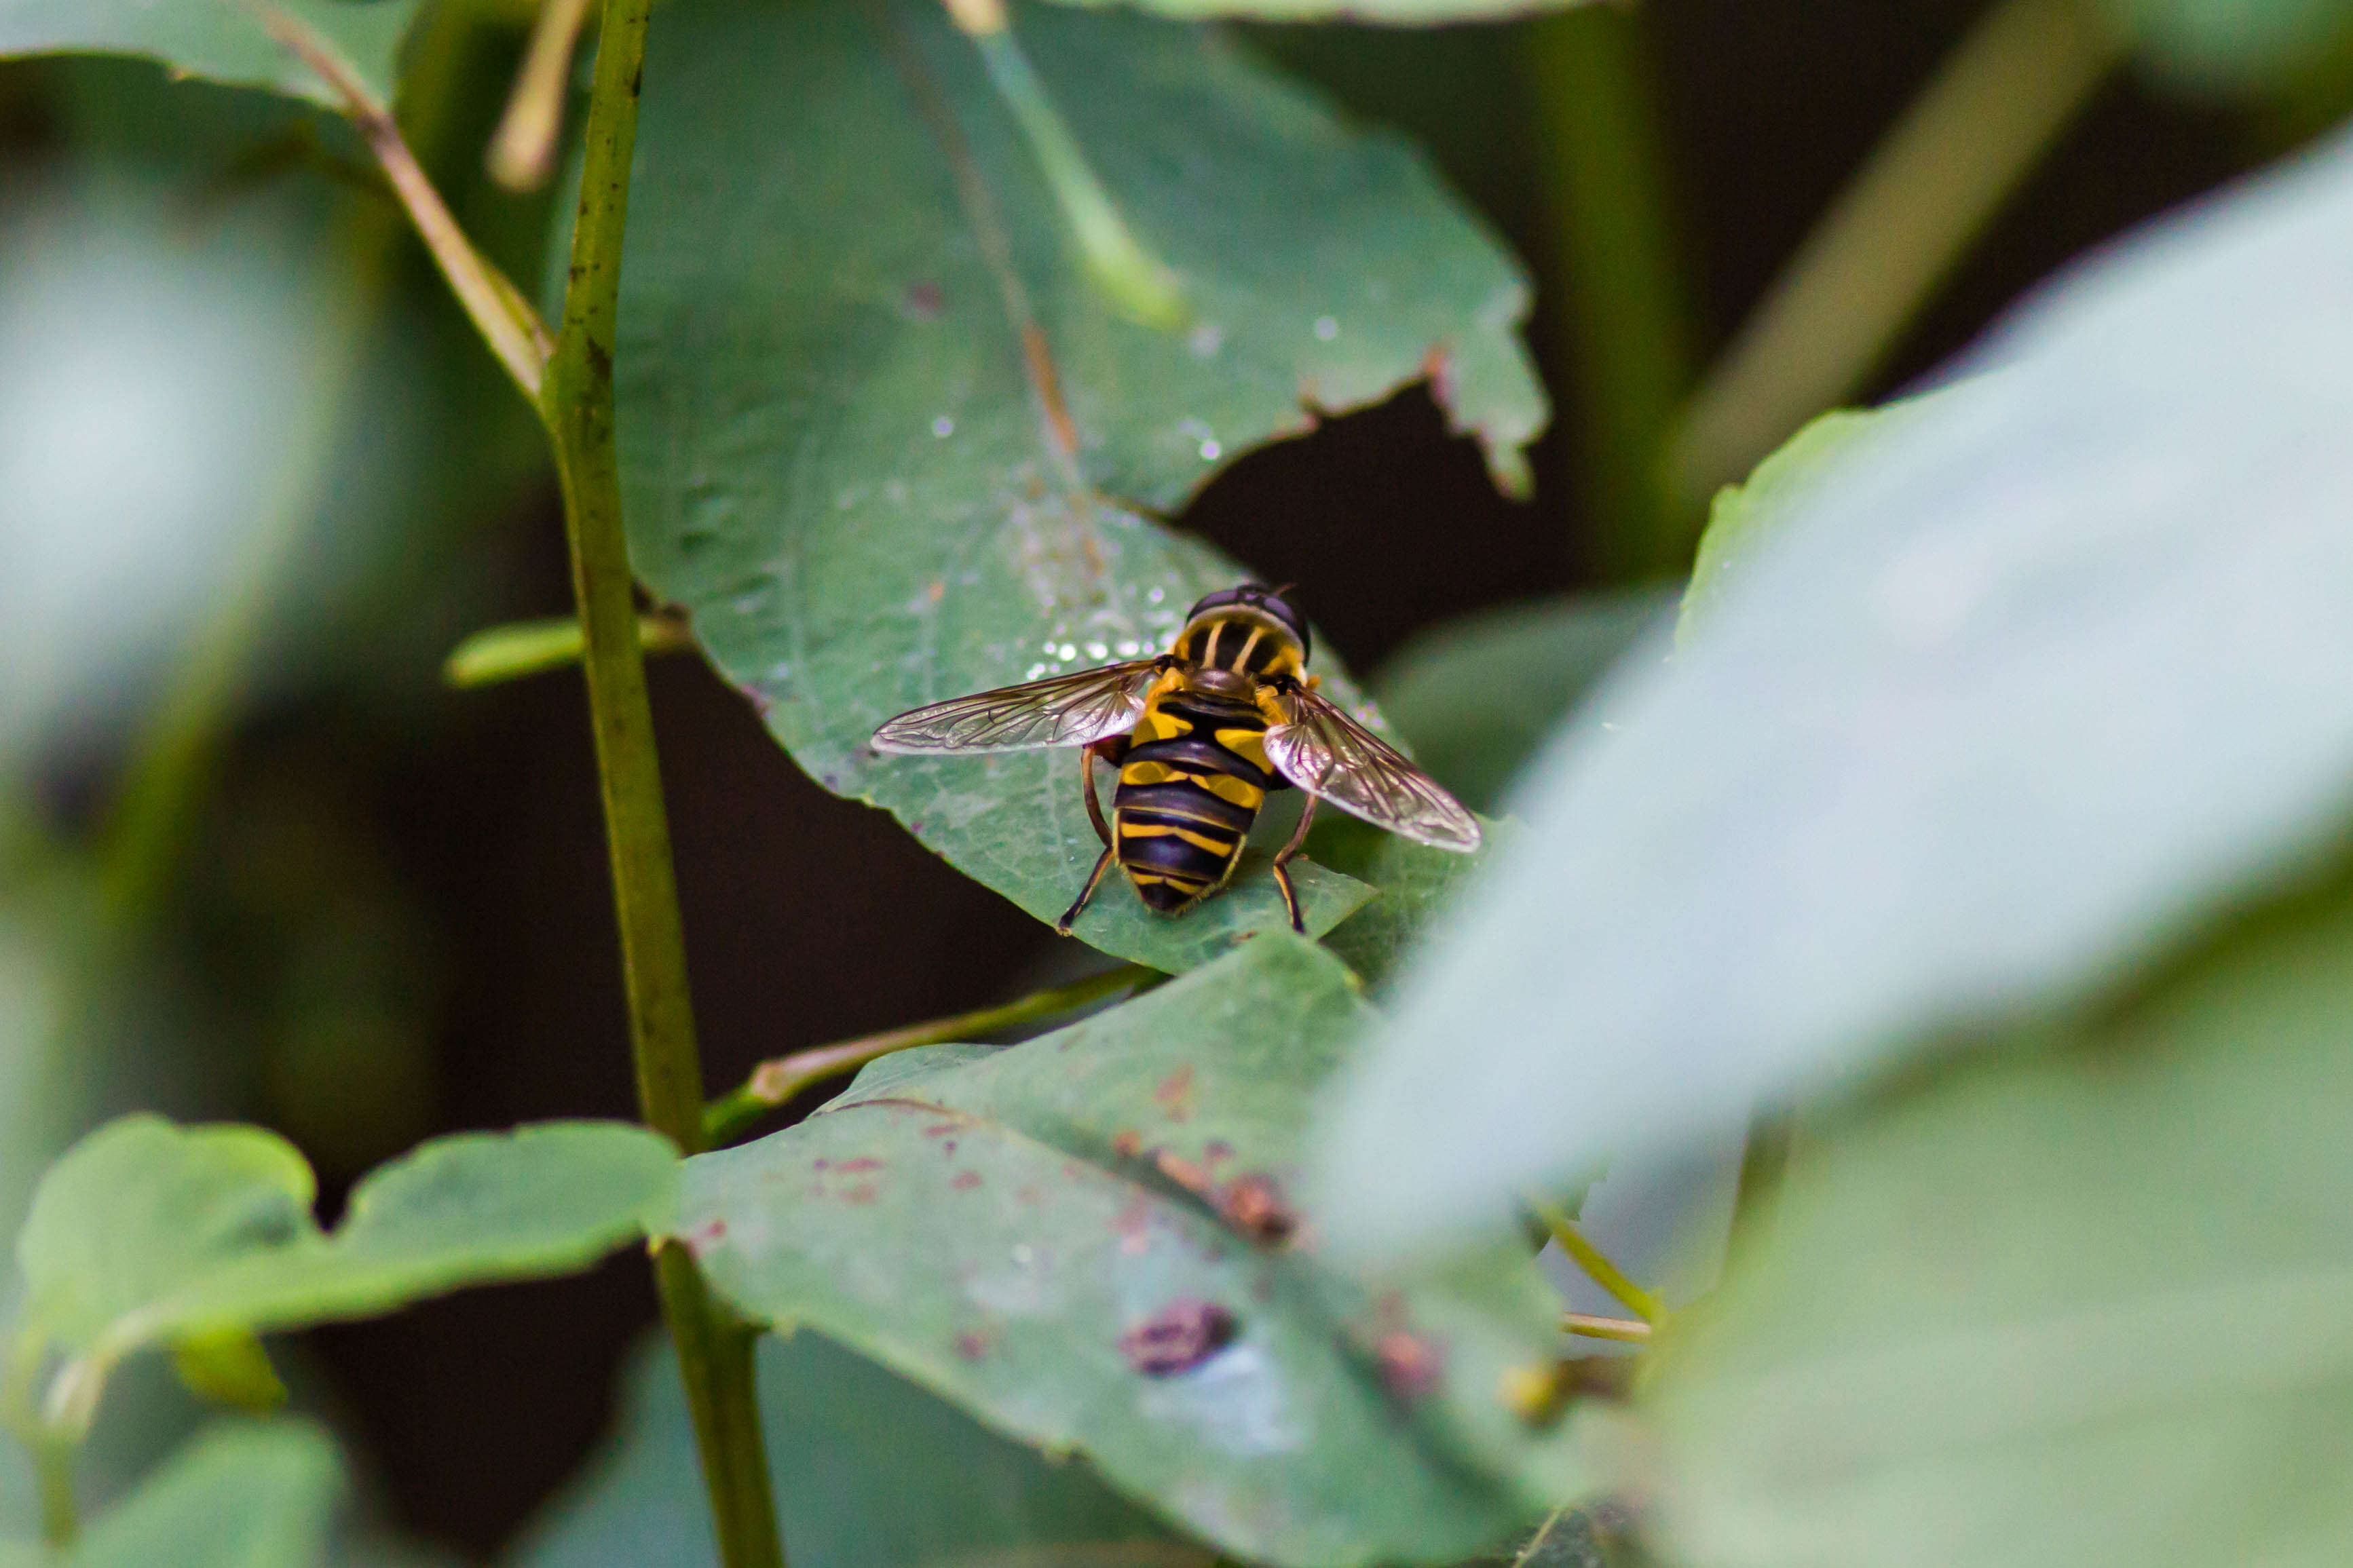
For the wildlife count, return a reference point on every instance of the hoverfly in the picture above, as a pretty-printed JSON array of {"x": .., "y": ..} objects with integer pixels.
[{"x": 1200, "y": 736}]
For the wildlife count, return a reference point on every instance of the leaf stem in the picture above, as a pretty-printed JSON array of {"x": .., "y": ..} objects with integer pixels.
[
  {"x": 1995, "y": 106},
  {"x": 1626, "y": 319},
  {"x": 519, "y": 648},
  {"x": 1628, "y": 1330},
  {"x": 775, "y": 1082},
  {"x": 1606, "y": 1274},
  {"x": 714, "y": 1359}
]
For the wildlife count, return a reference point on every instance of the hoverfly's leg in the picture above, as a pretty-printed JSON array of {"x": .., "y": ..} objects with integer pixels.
[
  {"x": 1109, "y": 751},
  {"x": 1070, "y": 915},
  {"x": 1283, "y": 859}
]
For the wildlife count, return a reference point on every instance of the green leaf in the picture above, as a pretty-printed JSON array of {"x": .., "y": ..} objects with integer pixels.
[
  {"x": 1743, "y": 519},
  {"x": 832, "y": 454},
  {"x": 2091, "y": 1301},
  {"x": 1003, "y": 1231},
  {"x": 221, "y": 40},
  {"x": 1477, "y": 696},
  {"x": 2006, "y": 704},
  {"x": 2232, "y": 45},
  {"x": 237, "y": 1496},
  {"x": 146, "y": 1233},
  {"x": 870, "y": 1472}
]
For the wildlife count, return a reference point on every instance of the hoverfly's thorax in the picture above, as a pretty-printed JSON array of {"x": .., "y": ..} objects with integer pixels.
[{"x": 1242, "y": 642}]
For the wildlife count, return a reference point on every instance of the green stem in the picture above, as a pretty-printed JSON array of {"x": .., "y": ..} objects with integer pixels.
[
  {"x": 1764, "y": 1160},
  {"x": 714, "y": 1357},
  {"x": 773, "y": 1083},
  {"x": 1606, "y": 1274},
  {"x": 1623, "y": 307},
  {"x": 1978, "y": 129},
  {"x": 53, "y": 1460}
]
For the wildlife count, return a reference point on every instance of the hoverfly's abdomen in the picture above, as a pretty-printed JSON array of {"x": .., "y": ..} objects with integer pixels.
[{"x": 1187, "y": 798}]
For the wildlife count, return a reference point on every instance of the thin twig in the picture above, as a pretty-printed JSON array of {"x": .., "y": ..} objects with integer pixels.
[
  {"x": 508, "y": 325},
  {"x": 1606, "y": 1274},
  {"x": 1996, "y": 105},
  {"x": 1628, "y": 1331},
  {"x": 522, "y": 150},
  {"x": 774, "y": 1082}
]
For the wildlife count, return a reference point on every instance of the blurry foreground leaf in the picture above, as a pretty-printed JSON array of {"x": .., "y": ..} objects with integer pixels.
[
  {"x": 870, "y": 1472},
  {"x": 237, "y": 1496},
  {"x": 221, "y": 40},
  {"x": 2090, "y": 1304},
  {"x": 1417, "y": 884},
  {"x": 2005, "y": 703},
  {"x": 1094, "y": 1248},
  {"x": 145, "y": 1233},
  {"x": 837, "y": 461},
  {"x": 1477, "y": 696}
]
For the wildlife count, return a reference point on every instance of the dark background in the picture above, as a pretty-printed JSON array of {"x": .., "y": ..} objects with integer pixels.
[{"x": 467, "y": 830}]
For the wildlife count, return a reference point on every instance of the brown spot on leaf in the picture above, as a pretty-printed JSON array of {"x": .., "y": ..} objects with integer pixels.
[
  {"x": 1253, "y": 1205},
  {"x": 1409, "y": 1364},
  {"x": 923, "y": 301},
  {"x": 939, "y": 1129},
  {"x": 1174, "y": 1094},
  {"x": 1127, "y": 1142},
  {"x": 1181, "y": 1170},
  {"x": 1177, "y": 1338},
  {"x": 864, "y": 1162},
  {"x": 863, "y": 1192},
  {"x": 1218, "y": 1148},
  {"x": 972, "y": 1347},
  {"x": 965, "y": 1181}
]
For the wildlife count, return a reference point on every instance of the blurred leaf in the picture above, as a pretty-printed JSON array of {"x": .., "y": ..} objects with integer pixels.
[
  {"x": 146, "y": 1233},
  {"x": 2089, "y": 1304},
  {"x": 835, "y": 459},
  {"x": 238, "y": 1495},
  {"x": 1477, "y": 696},
  {"x": 2232, "y": 44},
  {"x": 1403, "y": 13},
  {"x": 1743, "y": 519},
  {"x": 870, "y": 1472},
  {"x": 220, "y": 39},
  {"x": 2005, "y": 705},
  {"x": 1088, "y": 1240}
]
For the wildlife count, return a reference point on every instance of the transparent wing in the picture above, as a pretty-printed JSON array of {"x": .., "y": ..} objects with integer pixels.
[
  {"x": 1334, "y": 758},
  {"x": 1068, "y": 710}
]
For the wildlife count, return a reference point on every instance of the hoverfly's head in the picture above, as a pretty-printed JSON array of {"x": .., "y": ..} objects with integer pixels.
[{"x": 1253, "y": 597}]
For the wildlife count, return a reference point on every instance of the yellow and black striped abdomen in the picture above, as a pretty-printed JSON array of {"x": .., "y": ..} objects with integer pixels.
[{"x": 1189, "y": 787}]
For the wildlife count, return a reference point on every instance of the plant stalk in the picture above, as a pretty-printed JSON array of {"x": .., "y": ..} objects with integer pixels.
[
  {"x": 1606, "y": 1274},
  {"x": 1625, "y": 318},
  {"x": 1626, "y": 1331},
  {"x": 1972, "y": 136},
  {"x": 714, "y": 1351},
  {"x": 774, "y": 1082},
  {"x": 53, "y": 1460}
]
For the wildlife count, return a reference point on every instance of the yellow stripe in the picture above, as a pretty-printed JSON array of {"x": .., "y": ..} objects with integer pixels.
[
  {"x": 1163, "y": 830},
  {"x": 1157, "y": 725},
  {"x": 1247, "y": 745},
  {"x": 1241, "y": 659}
]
